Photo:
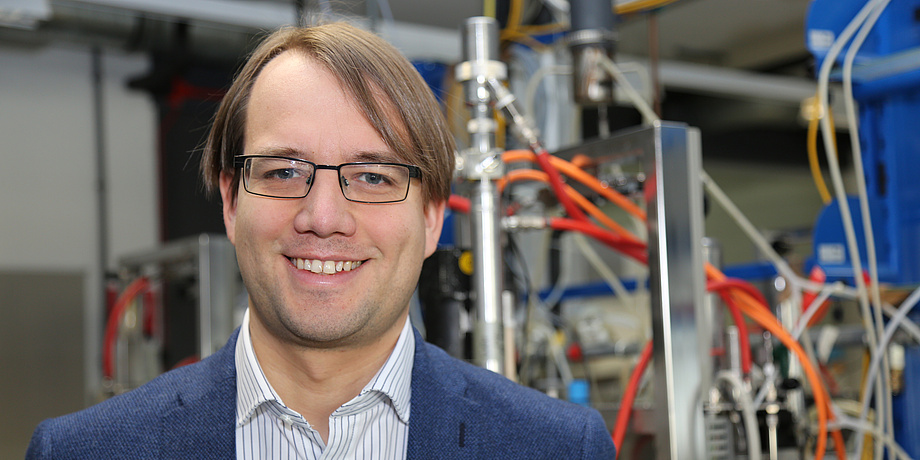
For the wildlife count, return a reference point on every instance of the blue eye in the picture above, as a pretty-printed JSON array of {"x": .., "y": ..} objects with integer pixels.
[
  {"x": 374, "y": 179},
  {"x": 284, "y": 174}
]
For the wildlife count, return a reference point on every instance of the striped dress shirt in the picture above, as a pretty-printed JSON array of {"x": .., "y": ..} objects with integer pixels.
[{"x": 375, "y": 424}]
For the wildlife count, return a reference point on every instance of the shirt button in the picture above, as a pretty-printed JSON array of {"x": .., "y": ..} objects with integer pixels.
[{"x": 287, "y": 419}]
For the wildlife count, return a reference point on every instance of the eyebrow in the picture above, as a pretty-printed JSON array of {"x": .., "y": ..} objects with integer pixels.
[
  {"x": 377, "y": 157},
  {"x": 361, "y": 156},
  {"x": 279, "y": 152}
]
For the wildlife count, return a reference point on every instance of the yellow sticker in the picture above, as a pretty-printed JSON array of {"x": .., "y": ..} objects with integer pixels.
[{"x": 466, "y": 263}]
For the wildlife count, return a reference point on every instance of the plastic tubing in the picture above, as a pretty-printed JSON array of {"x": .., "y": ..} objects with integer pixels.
[
  {"x": 872, "y": 330},
  {"x": 885, "y": 438},
  {"x": 569, "y": 169},
  {"x": 459, "y": 204},
  {"x": 636, "y": 250},
  {"x": 748, "y": 303},
  {"x": 629, "y": 396},
  {"x": 555, "y": 181},
  {"x": 728, "y": 283},
  {"x": 578, "y": 198},
  {"x": 111, "y": 329},
  {"x": 822, "y": 401},
  {"x": 872, "y": 258},
  {"x": 808, "y": 318},
  {"x": 813, "y": 164},
  {"x": 878, "y": 356}
]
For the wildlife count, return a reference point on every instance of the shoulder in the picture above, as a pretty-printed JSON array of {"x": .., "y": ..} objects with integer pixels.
[
  {"x": 502, "y": 415},
  {"x": 130, "y": 424},
  {"x": 496, "y": 391}
]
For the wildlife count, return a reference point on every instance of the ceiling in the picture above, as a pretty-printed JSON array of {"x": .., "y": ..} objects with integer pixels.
[
  {"x": 750, "y": 34},
  {"x": 750, "y": 43},
  {"x": 746, "y": 41}
]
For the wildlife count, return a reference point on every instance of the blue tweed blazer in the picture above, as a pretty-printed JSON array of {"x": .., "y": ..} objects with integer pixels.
[{"x": 458, "y": 411}]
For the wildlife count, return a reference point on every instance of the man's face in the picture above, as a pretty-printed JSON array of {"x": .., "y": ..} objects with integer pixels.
[{"x": 298, "y": 109}]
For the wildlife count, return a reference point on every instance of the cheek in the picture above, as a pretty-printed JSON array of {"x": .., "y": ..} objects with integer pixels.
[
  {"x": 397, "y": 232},
  {"x": 257, "y": 224}
]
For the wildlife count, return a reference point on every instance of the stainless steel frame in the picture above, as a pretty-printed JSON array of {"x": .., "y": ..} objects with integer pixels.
[
  {"x": 675, "y": 223},
  {"x": 671, "y": 160},
  {"x": 213, "y": 260}
]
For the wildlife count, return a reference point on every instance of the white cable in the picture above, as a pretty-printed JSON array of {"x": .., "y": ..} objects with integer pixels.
[
  {"x": 781, "y": 266},
  {"x": 533, "y": 84},
  {"x": 743, "y": 398},
  {"x": 606, "y": 273},
  {"x": 814, "y": 307},
  {"x": 846, "y": 422},
  {"x": 860, "y": 21},
  {"x": 909, "y": 326},
  {"x": 638, "y": 101},
  {"x": 885, "y": 393},
  {"x": 880, "y": 352}
]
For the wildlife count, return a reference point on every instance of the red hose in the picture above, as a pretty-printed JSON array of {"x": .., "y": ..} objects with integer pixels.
[
  {"x": 738, "y": 284},
  {"x": 555, "y": 181},
  {"x": 635, "y": 249},
  {"x": 744, "y": 342},
  {"x": 459, "y": 204},
  {"x": 111, "y": 329},
  {"x": 629, "y": 396}
]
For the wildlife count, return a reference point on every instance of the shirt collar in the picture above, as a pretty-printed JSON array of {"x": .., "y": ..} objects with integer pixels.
[{"x": 394, "y": 379}]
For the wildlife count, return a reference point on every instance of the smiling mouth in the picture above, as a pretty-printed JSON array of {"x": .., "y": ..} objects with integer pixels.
[{"x": 326, "y": 267}]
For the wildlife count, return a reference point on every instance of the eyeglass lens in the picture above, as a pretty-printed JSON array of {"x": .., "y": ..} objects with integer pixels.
[{"x": 290, "y": 178}]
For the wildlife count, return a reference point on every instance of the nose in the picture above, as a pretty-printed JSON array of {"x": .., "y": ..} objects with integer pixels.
[{"x": 324, "y": 211}]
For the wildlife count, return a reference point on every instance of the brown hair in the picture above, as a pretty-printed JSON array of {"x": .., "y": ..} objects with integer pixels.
[{"x": 408, "y": 119}]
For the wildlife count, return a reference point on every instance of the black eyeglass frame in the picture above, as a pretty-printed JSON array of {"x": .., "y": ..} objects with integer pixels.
[{"x": 239, "y": 162}]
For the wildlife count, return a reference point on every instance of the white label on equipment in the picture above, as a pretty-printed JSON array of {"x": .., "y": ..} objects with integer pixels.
[
  {"x": 831, "y": 253},
  {"x": 820, "y": 39}
]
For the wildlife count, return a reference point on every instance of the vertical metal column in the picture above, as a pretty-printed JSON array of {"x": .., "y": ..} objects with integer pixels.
[
  {"x": 481, "y": 165},
  {"x": 675, "y": 210}
]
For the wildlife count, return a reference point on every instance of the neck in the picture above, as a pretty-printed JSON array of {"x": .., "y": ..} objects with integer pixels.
[{"x": 315, "y": 382}]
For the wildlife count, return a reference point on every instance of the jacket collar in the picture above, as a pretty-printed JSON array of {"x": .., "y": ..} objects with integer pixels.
[{"x": 201, "y": 420}]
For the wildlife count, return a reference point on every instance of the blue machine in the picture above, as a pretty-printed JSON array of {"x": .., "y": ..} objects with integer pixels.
[{"x": 886, "y": 86}]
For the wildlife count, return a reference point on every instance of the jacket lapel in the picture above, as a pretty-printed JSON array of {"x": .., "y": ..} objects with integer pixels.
[
  {"x": 440, "y": 420},
  {"x": 201, "y": 422}
]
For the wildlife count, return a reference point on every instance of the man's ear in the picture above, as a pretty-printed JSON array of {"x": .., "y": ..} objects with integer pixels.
[
  {"x": 228, "y": 198},
  {"x": 434, "y": 220}
]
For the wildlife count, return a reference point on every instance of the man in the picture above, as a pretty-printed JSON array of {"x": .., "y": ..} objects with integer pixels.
[{"x": 333, "y": 163}]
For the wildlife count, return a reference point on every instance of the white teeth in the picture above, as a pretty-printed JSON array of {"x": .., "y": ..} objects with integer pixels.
[{"x": 328, "y": 267}]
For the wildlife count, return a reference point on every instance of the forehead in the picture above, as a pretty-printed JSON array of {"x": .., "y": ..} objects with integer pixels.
[{"x": 298, "y": 106}]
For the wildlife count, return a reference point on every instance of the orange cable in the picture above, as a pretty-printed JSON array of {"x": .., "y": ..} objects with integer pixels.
[
  {"x": 749, "y": 305},
  {"x": 580, "y": 175},
  {"x": 580, "y": 200},
  {"x": 762, "y": 316}
]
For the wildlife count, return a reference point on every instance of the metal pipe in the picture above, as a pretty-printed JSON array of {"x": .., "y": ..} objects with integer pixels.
[
  {"x": 592, "y": 39},
  {"x": 481, "y": 165},
  {"x": 92, "y": 327}
]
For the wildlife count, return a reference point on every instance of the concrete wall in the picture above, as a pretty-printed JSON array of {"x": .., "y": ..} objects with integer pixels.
[{"x": 49, "y": 216}]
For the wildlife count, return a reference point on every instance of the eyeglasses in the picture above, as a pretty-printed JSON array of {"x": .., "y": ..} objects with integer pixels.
[{"x": 282, "y": 177}]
